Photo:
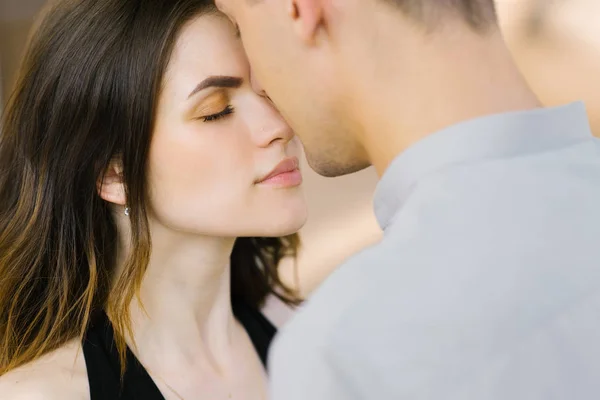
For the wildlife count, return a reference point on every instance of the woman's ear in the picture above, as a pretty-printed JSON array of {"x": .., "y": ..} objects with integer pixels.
[{"x": 111, "y": 187}]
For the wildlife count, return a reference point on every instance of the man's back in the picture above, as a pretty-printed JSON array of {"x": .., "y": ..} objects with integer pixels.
[{"x": 486, "y": 284}]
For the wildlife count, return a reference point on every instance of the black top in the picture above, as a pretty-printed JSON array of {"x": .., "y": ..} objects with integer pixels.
[{"x": 103, "y": 367}]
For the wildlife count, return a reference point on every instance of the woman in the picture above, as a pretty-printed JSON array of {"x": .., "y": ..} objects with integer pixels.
[{"x": 134, "y": 154}]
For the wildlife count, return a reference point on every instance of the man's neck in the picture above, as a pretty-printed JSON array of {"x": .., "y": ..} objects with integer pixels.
[{"x": 430, "y": 84}]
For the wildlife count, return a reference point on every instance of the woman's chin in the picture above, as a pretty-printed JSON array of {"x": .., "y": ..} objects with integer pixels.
[
  {"x": 285, "y": 218},
  {"x": 284, "y": 224},
  {"x": 289, "y": 231},
  {"x": 289, "y": 227}
]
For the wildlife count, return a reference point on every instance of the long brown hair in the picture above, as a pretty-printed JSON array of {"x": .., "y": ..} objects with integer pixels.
[{"x": 87, "y": 93}]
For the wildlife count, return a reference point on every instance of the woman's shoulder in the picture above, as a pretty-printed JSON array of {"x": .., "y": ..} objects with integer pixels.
[{"x": 59, "y": 375}]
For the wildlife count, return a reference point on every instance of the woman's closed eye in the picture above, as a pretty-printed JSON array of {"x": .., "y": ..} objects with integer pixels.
[{"x": 222, "y": 114}]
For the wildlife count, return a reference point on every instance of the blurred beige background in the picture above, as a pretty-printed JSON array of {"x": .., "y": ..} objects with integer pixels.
[
  {"x": 15, "y": 21},
  {"x": 556, "y": 43}
]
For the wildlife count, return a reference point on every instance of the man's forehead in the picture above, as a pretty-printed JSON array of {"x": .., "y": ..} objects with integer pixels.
[
  {"x": 226, "y": 6},
  {"x": 223, "y": 4},
  {"x": 219, "y": 4}
]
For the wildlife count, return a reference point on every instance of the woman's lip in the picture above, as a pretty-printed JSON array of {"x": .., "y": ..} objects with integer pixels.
[
  {"x": 284, "y": 179},
  {"x": 287, "y": 165}
]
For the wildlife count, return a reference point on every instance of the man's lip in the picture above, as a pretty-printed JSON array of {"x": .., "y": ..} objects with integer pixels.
[{"x": 287, "y": 165}]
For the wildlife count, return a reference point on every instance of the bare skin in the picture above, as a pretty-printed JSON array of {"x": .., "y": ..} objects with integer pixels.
[{"x": 188, "y": 338}]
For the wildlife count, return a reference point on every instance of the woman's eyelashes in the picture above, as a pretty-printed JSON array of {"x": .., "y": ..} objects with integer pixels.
[{"x": 214, "y": 117}]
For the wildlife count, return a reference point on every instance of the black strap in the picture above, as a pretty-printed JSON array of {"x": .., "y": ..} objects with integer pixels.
[
  {"x": 102, "y": 358},
  {"x": 260, "y": 329},
  {"x": 102, "y": 361}
]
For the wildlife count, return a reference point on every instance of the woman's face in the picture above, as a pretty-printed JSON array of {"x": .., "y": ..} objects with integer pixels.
[{"x": 222, "y": 162}]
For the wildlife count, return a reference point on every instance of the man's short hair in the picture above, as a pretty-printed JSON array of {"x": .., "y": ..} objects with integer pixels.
[{"x": 478, "y": 14}]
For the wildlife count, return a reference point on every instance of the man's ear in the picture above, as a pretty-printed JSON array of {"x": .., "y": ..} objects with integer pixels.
[
  {"x": 308, "y": 17},
  {"x": 111, "y": 187}
]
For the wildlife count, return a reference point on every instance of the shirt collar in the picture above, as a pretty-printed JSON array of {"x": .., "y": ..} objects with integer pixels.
[{"x": 495, "y": 136}]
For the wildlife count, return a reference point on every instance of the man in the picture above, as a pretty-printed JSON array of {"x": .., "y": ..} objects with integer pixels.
[{"x": 486, "y": 284}]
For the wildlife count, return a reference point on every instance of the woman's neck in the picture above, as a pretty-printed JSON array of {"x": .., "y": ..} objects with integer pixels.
[{"x": 185, "y": 317}]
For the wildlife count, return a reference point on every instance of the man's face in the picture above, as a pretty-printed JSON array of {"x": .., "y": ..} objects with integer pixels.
[
  {"x": 257, "y": 21},
  {"x": 300, "y": 78},
  {"x": 274, "y": 55}
]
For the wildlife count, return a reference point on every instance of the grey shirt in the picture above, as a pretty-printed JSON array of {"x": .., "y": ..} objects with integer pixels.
[{"x": 486, "y": 284}]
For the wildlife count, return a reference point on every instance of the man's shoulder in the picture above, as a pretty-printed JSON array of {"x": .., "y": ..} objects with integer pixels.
[
  {"x": 317, "y": 318},
  {"x": 59, "y": 375}
]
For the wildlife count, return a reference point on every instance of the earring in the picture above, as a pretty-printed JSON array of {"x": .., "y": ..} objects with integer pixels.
[{"x": 127, "y": 211}]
